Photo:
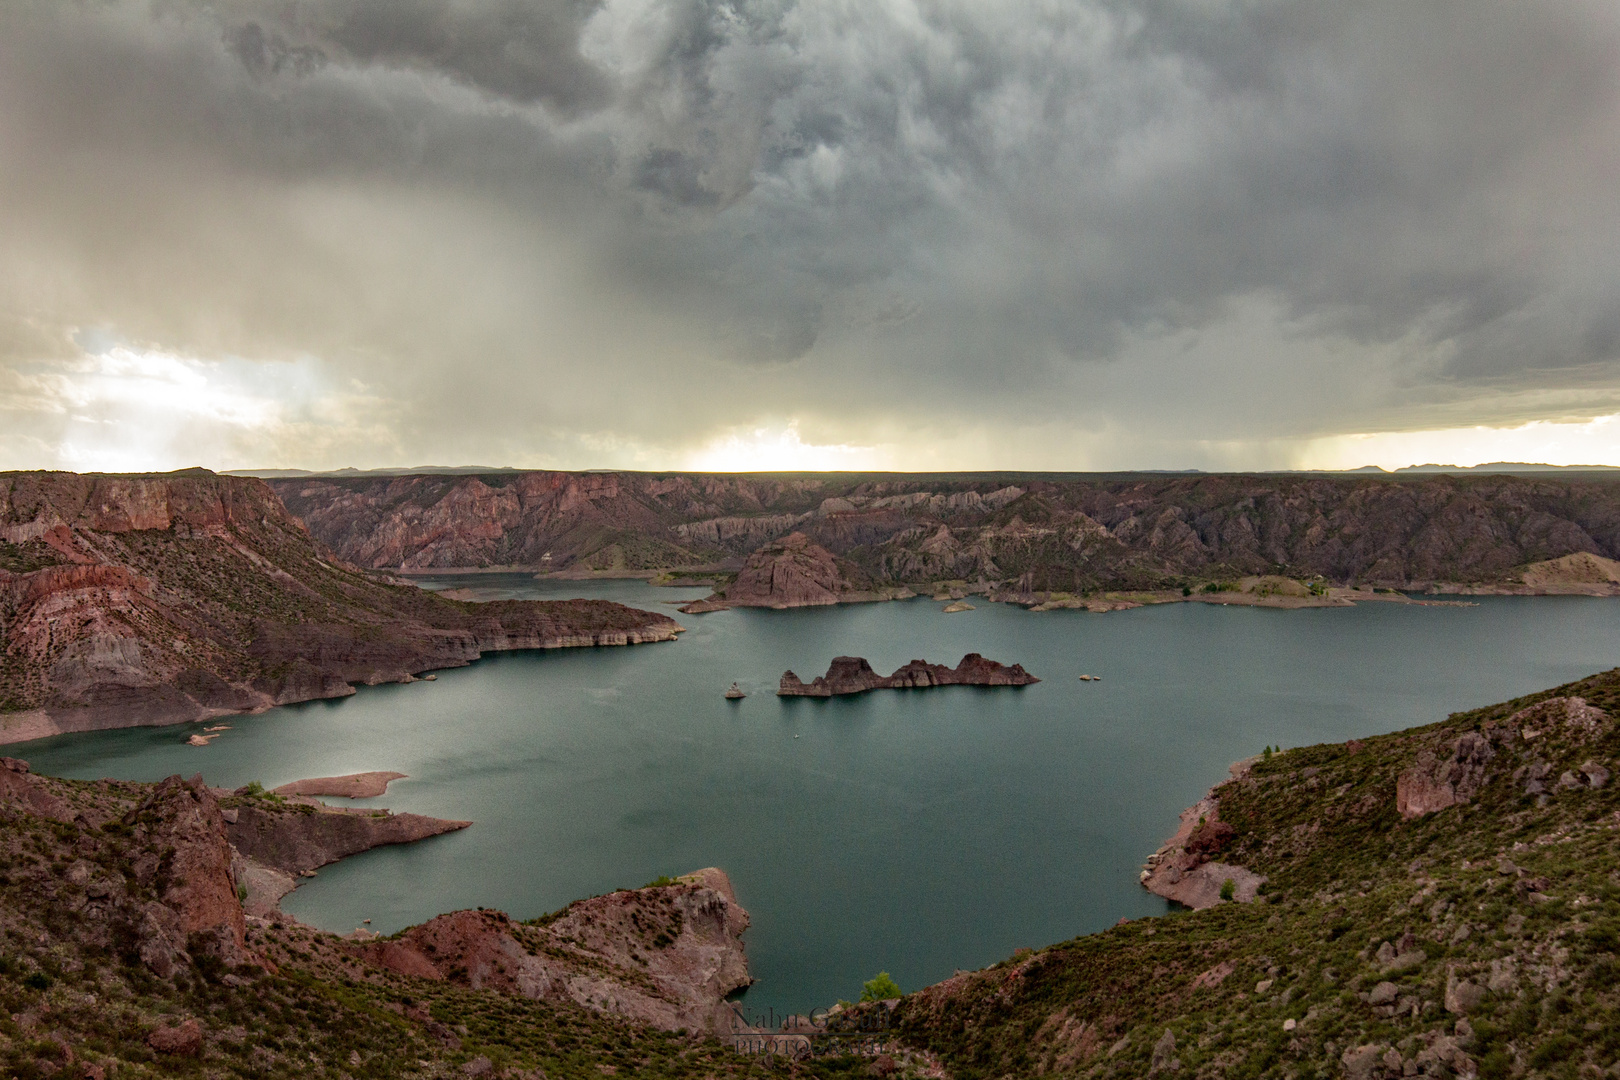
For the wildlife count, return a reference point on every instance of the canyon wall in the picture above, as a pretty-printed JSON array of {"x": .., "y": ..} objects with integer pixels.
[{"x": 1028, "y": 532}]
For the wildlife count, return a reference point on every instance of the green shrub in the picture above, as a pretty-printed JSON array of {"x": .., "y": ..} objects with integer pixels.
[
  {"x": 1554, "y": 1050},
  {"x": 1228, "y": 889},
  {"x": 880, "y": 988}
]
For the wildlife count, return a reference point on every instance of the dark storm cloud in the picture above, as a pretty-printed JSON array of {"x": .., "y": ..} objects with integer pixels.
[
  {"x": 524, "y": 50},
  {"x": 681, "y": 193}
]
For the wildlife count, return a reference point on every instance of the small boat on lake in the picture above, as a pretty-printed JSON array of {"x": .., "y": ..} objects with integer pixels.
[{"x": 735, "y": 693}]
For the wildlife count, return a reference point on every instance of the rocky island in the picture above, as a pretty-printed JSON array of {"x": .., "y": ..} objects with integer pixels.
[{"x": 853, "y": 675}]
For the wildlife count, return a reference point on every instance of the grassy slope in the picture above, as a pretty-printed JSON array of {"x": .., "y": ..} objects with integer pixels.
[{"x": 1346, "y": 875}]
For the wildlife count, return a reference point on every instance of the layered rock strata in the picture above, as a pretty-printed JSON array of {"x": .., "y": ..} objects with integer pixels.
[
  {"x": 128, "y": 600},
  {"x": 854, "y": 675},
  {"x": 1028, "y": 535}
]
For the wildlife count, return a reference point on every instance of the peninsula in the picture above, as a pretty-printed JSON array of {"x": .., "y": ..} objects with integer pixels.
[
  {"x": 854, "y": 675},
  {"x": 158, "y": 599}
]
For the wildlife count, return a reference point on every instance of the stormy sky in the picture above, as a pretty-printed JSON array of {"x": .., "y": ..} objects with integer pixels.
[{"x": 1054, "y": 234}]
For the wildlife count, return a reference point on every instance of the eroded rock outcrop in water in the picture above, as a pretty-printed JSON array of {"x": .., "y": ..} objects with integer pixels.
[
  {"x": 128, "y": 600},
  {"x": 667, "y": 954},
  {"x": 854, "y": 675}
]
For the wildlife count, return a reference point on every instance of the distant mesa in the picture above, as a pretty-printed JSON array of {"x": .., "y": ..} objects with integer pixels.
[{"x": 854, "y": 675}]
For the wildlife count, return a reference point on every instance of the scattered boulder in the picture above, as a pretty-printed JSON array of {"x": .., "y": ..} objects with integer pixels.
[
  {"x": 1362, "y": 1062},
  {"x": 1596, "y": 775},
  {"x": 1462, "y": 996},
  {"x": 183, "y": 1041},
  {"x": 1443, "y": 1050},
  {"x": 1164, "y": 1051},
  {"x": 1383, "y": 994},
  {"x": 1211, "y": 838},
  {"x": 1433, "y": 784}
]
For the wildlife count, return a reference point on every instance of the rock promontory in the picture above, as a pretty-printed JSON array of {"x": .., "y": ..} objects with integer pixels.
[
  {"x": 666, "y": 954},
  {"x": 854, "y": 675}
]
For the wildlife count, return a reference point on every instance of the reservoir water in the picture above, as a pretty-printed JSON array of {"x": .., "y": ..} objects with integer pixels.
[{"x": 915, "y": 832}]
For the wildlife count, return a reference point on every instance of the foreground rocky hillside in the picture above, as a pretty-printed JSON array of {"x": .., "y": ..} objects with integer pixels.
[
  {"x": 155, "y": 599},
  {"x": 127, "y": 951},
  {"x": 1026, "y": 533},
  {"x": 1443, "y": 901}
]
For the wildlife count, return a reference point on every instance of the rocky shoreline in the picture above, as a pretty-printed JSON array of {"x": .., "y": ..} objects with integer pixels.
[
  {"x": 187, "y": 876},
  {"x": 1185, "y": 869}
]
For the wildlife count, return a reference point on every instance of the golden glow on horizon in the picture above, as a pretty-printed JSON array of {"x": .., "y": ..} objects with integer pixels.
[
  {"x": 780, "y": 449},
  {"x": 1545, "y": 442},
  {"x": 129, "y": 409}
]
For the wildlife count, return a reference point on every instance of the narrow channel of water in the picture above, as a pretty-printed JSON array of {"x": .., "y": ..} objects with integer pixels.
[{"x": 915, "y": 832}]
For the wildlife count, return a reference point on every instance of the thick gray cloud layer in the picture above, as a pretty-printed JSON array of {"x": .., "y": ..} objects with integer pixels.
[{"x": 586, "y": 230}]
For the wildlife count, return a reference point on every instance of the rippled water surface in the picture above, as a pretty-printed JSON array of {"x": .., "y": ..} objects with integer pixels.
[{"x": 916, "y": 832}]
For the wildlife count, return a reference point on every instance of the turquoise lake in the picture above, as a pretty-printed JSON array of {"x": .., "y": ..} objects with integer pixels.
[{"x": 916, "y": 832}]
